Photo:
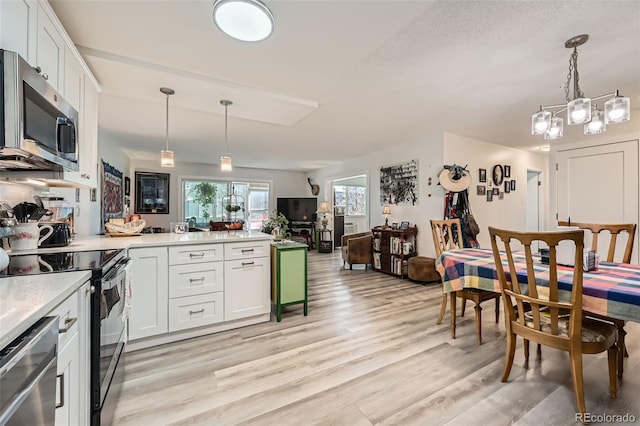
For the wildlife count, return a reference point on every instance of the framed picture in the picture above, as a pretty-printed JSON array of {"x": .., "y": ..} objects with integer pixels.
[
  {"x": 152, "y": 193},
  {"x": 507, "y": 171},
  {"x": 127, "y": 186},
  {"x": 489, "y": 195},
  {"x": 481, "y": 190},
  {"x": 404, "y": 225},
  {"x": 482, "y": 175},
  {"x": 501, "y": 196},
  {"x": 513, "y": 185},
  {"x": 496, "y": 191},
  {"x": 507, "y": 186}
]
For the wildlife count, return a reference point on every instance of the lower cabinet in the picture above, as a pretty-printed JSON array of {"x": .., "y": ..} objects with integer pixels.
[
  {"x": 195, "y": 311},
  {"x": 72, "y": 382},
  {"x": 246, "y": 288},
  {"x": 150, "y": 289}
]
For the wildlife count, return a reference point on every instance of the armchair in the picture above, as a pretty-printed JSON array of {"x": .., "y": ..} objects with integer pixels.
[{"x": 356, "y": 249}]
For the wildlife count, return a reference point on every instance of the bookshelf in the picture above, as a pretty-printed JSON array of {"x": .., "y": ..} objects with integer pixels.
[{"x": 392, "y": 249}]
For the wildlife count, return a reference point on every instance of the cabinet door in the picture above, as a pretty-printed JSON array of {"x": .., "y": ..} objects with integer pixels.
[
  {"x": 246, "y": 288},
  {"x": 68, "y": 383},
  {"x": 84, "y": 334},
  {"x": 18, "y": 20},
  {"x": 150, "y": 292},
  {"x": 73, "y": 90},
  {"x": 49, "y": 50}
]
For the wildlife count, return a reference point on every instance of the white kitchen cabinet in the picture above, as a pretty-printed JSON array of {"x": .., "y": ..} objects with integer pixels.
[
  {"x": 246, "y": 288},
  {"x": 150, "y": 289},
  {"x": 194, "y": 279},
  {"x": 18, "y": 21},
  {"x": 72, "y": 383},
  {"x": 73, "y": 89},
  {"x": 197, "y": 253},
  {"x": 50, "y": 49},
  {"x": 195, "y": 311}
]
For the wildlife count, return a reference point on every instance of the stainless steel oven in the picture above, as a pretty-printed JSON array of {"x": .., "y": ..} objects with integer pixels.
[{"x": 108, "y": 339}]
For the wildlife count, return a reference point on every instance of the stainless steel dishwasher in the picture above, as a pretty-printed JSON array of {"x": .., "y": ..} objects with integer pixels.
[{"x": 28, "y": 376}]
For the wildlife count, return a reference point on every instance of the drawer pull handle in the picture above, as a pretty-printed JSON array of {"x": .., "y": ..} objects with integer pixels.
[
  {"x": 68, "y": 323},
  {"x": 199, "y": 311},
  {"x": 196, "y": 254},
  {"x": 196, "y": 279},
  {"x": 61, "y": 389},
  {"x": 247, "y": 263},
  {"x": 247, "y": 251}
]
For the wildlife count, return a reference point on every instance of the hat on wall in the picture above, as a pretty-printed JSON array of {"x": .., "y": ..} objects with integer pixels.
[{"x": 454, "y": 178}]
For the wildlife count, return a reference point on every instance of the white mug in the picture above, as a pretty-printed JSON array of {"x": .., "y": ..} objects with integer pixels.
[{"x": 27, "y": 236}]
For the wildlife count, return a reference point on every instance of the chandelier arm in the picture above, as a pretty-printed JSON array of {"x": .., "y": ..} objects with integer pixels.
[{"x": 616, "y": 93}]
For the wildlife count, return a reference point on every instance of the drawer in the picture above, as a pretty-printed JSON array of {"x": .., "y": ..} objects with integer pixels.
[
  {"x": 67, "y": 312},
  {"x": 180, "y": 255},
  {"x": 245, "y": 250},
  {"x": 194, "y": 279},
  {"x": 195, "y": 311}
]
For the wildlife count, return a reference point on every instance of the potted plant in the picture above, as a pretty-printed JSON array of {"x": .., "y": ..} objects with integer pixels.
[
  {"x": 277, "y": 222},
  {"x": 204, "y": 194}
]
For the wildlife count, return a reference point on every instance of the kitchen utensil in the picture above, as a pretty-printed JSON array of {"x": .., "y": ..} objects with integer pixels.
[
  {"x": 24, "y": 210},
  {"x": 38, "y": 201},
  {"x": 38, "y": 213}
]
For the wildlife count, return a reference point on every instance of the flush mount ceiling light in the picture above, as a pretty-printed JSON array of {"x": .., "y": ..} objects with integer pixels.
[
  {"x": 245, "y": 20},
  {"x": 579, "y": 110},
  {"x": 225, "y": 160},
  {"x": 166, "y": 156}
]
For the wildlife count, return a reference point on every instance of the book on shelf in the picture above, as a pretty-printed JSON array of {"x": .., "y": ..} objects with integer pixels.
[
  {"x": 376, "y": 244},
  {"x": 376, "y": 260}
]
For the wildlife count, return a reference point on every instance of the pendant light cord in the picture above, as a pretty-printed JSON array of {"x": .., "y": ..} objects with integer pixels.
[
  {"x": 167, "y": 123},
  {"x": 225, "y": 130}
]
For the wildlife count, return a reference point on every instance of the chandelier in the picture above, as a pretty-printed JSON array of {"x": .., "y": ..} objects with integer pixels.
[
  {"x": 225, "y": 160},
  {"x": 166, "y": 156},
  {"x": 579, "y": 109}
]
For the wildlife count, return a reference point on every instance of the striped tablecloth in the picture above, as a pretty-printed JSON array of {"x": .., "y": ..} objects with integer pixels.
[{"x": 612, "y": 290}]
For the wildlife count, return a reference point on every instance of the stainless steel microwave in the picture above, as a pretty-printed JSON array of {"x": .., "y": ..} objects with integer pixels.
[{"x": 38, "y": 126}]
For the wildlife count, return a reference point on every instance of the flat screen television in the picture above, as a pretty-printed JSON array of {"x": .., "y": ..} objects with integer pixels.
[{"x": 298, "y": 209}]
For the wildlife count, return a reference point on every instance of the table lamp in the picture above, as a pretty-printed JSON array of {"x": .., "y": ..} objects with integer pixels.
[
  {"x": 325, "y": 210},
  {"x": 386, "y": 211}
]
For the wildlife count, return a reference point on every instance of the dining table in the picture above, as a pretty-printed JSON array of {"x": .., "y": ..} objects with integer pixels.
[{"x": 612, "y": 290}]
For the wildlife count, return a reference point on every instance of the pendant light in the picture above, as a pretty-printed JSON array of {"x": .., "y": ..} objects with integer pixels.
[
  {"x": 166, "y": 156},
  {"x": 225, "y": 160}
]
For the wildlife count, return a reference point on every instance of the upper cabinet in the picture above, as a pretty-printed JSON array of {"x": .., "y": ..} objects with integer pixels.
[
  {"x": 31, "y": 28},
  {"x": 18, "y": 21},
  {"x": 50, "y": 50}
]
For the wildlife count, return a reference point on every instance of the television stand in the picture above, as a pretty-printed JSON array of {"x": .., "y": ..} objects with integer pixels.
[{"x": 303, "y": 231}]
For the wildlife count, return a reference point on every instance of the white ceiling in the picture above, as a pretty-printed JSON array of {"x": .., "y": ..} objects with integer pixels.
[{"x": 338, "y": 79}]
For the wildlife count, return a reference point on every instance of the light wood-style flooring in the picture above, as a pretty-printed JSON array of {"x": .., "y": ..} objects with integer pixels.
[{"x": 369, "y": 352}]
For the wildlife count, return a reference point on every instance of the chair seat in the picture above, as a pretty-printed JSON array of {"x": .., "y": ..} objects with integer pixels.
[
  {"x": 593, "y": 331},
  {"x": 478, "y": 295}
]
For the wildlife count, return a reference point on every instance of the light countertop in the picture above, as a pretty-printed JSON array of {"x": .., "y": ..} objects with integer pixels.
[
  {"x": 103, "y": 242},
  {"x": 25, "y": 299}
]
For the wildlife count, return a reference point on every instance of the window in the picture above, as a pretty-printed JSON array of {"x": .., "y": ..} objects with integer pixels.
[
  {"x": 352, "y": 198},
  {"x": 204, "y": 200}
]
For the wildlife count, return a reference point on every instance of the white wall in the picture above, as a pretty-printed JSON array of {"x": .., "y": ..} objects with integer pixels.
[
  {"x": 509, "y": 213},
  {"x": 428, "y": 150},
  {"x": 283, "y": 184}
]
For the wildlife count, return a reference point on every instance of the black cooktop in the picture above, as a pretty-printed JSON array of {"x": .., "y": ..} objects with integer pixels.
[{"x": 98, "y": 261}]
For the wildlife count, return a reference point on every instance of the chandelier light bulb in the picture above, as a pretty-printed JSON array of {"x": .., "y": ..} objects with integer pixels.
[
  {"x": 596, "y": 125},
  {"x": 540, "y": 122},
  {"x": 556, "y": 129},
  {"x": 579, "y": 111},
  {"x": 617, "y": 110}
]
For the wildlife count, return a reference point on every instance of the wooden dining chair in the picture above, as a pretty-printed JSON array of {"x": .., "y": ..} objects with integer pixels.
[
  {"x": 614, "y": 231},
  {"x": 548, "y": 318},
  {"x": 447, "y": 235}
]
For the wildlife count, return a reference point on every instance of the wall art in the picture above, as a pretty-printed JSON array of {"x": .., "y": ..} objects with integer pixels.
[
  {"x": 152, "y": 193},
  {"x": 399, "y": 183},
  {"x": 111, "y": 205}
]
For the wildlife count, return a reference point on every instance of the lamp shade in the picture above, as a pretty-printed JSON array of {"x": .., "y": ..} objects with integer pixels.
[
  {"x": 225, "y": 163},
  {"x": 166, "y": 158},
  {"x": 386, "y": 210},
  {"x": 579, "y": 111},
  {"x": 617, "y": 110},
  {"x": 324, "y": 208}
]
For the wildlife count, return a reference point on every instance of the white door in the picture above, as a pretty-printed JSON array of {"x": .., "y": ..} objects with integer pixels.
[
  {"x": 599, "y": 184},
  {"x": 533, "y": 203}
]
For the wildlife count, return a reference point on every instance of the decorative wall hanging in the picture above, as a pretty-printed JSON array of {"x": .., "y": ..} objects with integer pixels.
[
  {"x": 112, "y": 206},
  {"x": 399, "y": 183},
  {"x": 152, "y": 193},
  {"x": 482, "y": 175}
]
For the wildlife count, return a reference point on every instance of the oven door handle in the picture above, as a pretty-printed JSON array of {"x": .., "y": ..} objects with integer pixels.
[{"x": 122, "y": 263}]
